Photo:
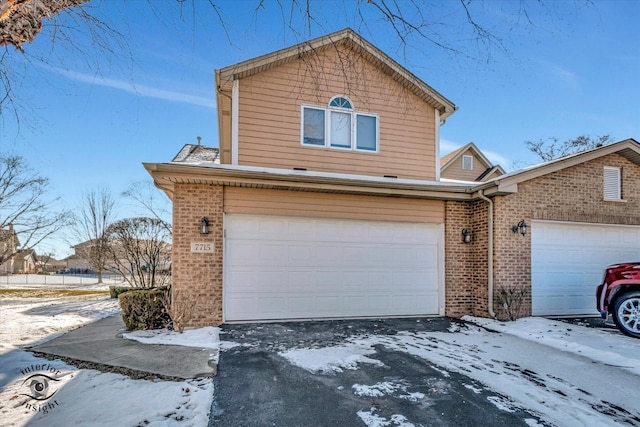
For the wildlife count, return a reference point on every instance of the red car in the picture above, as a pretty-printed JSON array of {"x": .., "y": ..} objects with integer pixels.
[{"x": 619, "y": 295}]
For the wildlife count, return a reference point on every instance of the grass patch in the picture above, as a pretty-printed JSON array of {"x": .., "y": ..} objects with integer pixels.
[{"x": 51, "y": 293}]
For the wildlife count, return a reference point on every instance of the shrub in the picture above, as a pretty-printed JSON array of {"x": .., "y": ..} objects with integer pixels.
[
  {"x": 115, "y": 291},
  {"x": 143, "y": 309},
  {"x": 510, "y": 302},
  {"x": 180, "y": 307}
]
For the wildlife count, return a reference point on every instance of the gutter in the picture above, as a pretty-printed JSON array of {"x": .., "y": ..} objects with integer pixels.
[{"x": 489, "y": 254}]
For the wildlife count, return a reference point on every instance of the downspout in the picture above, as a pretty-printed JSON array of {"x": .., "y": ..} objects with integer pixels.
[{"x": 490, "y": 253}]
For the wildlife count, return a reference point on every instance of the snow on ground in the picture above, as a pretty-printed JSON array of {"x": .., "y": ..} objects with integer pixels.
[
  {"x": 602, "y": 345},
  {"x": 331, "y": 359},
  {"x": 38, "y": 392},
  {"x": 208, "y": 337},
  {"x": 563, "y": 373}
]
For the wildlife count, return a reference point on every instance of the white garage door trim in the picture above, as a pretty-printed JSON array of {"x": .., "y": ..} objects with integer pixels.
[
  {"x": 315, "y": 268},
  {"x": 568, "y": 260}
]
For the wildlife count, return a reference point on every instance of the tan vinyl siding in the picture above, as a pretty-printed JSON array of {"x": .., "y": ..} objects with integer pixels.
[
  {"x": 325, "y": 205},
  {"x": 270, "y": 118},
  {"x": 455, "y": 171}
]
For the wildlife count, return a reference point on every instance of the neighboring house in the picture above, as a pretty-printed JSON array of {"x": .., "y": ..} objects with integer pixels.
[
  {"x": 467, "y": 163},
  {"x": 192, "y": 153},
  {"x": 328, "y": 202},
  {"x": 79, "y": 262},
  {"x": 23, "y": 261},
  {"x": 9, "y": 244}
]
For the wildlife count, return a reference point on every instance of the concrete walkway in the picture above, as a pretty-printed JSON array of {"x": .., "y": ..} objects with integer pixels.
[{"x": 101, "y": 342}]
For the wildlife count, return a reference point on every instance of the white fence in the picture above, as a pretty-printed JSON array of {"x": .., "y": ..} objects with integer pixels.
[{"x": 59, "y": 279}]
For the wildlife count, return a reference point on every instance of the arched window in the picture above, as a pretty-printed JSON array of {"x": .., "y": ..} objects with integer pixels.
[{"x": 340, "y": 102}]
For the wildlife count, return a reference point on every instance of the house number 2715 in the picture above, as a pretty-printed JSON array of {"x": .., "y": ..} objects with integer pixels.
[{"x": 202, "y": 247}]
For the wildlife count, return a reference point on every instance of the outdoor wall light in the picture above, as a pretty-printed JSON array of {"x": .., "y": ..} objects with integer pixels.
[
  {"x": 521, "y": 228},
  {"x": 204, "y": 225},
  {"x": 466, "y": 236}
]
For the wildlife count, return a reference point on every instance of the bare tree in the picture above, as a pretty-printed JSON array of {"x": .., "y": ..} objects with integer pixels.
[
  {"x": 26, "y": 214},
  {"x": 552, "y": 148},
  {"x": 94, "y": 217},
  {"x": 150, "y": 200},
  {"x": 141, "y": 251}
]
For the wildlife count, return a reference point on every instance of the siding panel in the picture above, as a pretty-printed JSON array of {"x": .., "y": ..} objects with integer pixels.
[{"x": 325, "y": 205}]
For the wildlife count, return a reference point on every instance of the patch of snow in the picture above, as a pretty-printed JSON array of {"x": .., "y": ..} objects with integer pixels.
[
  {"x": 597, "y": 344},
  {"x": 412, "y": 397},
  {"x": 208, "y": 337},
  {"x": 502, "y": 403},
  {"x": 376, "y": 390},
  {"x": 373, "y": 420},
  {"x": 473, "y": 389},
  {"x": 331, "y": 359}
]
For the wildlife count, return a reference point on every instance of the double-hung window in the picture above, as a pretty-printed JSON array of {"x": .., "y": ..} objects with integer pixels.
[{"x": 339, "y": 126}]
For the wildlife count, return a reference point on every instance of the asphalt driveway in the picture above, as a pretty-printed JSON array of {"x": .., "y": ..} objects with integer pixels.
[{"x": 275, "y": 375}]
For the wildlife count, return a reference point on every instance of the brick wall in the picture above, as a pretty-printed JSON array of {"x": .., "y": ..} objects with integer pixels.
[
  {"x": 197, "y": 277},
  {"x": 465, "y": 263},
  {"x": 574, "y": 194}
]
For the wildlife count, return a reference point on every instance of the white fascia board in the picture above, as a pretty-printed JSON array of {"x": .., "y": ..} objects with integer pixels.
[{"x": 437, "y": 127}]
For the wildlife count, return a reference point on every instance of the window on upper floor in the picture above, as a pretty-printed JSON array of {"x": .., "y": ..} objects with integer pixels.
[
  {"x": 467, "y": 163},
  {"x": 339, "y": 126},
  {"x": 612, "y": 183}
]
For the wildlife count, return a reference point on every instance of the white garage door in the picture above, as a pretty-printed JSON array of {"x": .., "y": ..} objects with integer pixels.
[
  {"x": 568, "y": 260},
  {"x": 280, "y": 267}
]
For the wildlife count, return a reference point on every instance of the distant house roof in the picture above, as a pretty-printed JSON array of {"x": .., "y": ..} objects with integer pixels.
[
  {"x": 351, "y": 39},
  {"x": 450, "y": 159},
  {"x": 196, "y": 153},
  {"x": 628, "y": 148}
]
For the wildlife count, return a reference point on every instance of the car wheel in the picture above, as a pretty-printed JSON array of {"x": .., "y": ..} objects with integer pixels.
[{"x": 626, "y": 314}]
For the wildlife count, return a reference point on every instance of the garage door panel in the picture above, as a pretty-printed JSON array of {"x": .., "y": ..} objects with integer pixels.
[
  {"x": 568, "y": 259},
  {"x": 337, "y": 268}
]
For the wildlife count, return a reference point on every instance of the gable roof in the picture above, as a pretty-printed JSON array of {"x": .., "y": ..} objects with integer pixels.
[
  {"x": 508, "y": 183},
  {"x": 452, "y": 158},
  {"x": 351, "y": 39}
]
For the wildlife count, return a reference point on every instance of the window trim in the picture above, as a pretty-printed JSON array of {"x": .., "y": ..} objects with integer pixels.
[{"x": 327, "y": 127}]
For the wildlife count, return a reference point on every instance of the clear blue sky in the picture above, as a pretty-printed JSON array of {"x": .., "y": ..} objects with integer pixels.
[{"x": 92, "y": 118}]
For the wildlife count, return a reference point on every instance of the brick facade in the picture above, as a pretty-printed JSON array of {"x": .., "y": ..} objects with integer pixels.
[
  {"x": 197, "y": 277},
  {"x": 574, "y": 194}
]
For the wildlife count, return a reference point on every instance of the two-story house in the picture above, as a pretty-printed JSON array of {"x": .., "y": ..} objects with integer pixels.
[{"x": 327, "y": 201}]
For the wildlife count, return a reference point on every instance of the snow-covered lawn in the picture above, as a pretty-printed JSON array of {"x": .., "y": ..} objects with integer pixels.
[{"x": 38, "y": 392}]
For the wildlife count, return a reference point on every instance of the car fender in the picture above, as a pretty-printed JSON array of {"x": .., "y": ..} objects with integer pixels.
[{"x": 614, "y": 288}]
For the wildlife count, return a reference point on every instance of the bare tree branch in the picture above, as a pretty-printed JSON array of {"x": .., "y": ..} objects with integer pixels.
[
  {"x": 25, "y": 207},
  {"x": 552, "y": 148},
  {"x": 140, "y": 251},
  {"x": 91, "y": 223}
]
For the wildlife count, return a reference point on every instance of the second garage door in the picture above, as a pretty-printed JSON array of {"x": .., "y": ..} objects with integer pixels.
[
  {"x": 279, "y": 267},
  {"x": 568, "y": 260}
]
